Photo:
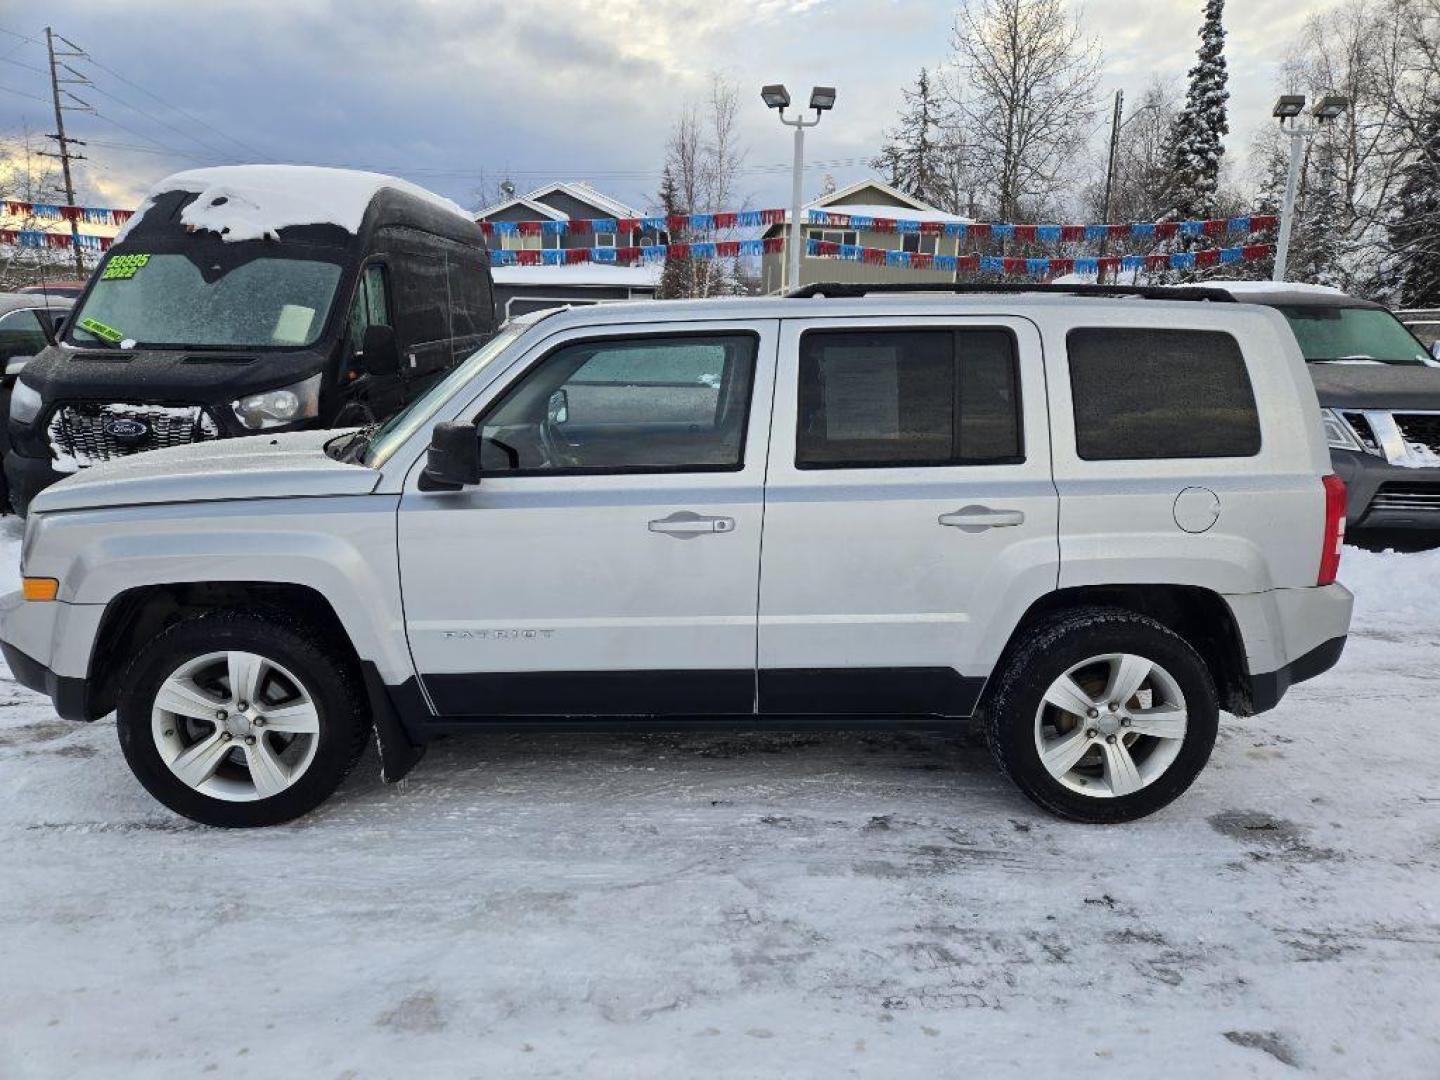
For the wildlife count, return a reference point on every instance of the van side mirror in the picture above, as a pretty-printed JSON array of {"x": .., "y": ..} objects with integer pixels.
[
  {"x": 453, "y": 460},
  {"x": 380, "y": 351}
]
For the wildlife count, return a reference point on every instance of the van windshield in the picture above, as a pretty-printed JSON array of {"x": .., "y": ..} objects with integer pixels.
[
  {"x": 1353, "y": 335},
  {"x": 165, "y": 301}
]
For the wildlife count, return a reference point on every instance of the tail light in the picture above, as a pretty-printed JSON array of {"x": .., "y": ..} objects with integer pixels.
[{"x": 1334, "y": 530}]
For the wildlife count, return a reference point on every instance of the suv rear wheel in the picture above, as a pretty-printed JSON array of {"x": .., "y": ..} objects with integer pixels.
[
  {"x": 238, "y": 720},
  {"x": 1104, "y": 715}
]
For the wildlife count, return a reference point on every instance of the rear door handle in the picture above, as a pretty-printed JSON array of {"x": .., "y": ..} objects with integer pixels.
[
  {"x": 980, "y": 518},
  {"x": 686, "y": 523}
]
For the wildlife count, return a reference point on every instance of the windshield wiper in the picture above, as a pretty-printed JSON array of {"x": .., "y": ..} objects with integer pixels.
[{"x": 357, "y": 445}]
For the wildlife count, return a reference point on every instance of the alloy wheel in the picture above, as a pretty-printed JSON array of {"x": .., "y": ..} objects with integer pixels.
[
  {"x": 235, "y": 726},
  {"x": 1111, "y": 725}
]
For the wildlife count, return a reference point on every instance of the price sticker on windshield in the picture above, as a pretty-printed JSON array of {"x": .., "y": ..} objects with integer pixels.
[
  {"x": 101, "y": 330},
  {"x": 124, "y": 267}
]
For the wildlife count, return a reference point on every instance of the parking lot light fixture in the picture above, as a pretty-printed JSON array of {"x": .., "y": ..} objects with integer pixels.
[
  {"x": 822, "y": 100},
  {"x": 775, "y": 97},
  {"x": 1289, "y": 110},
  {"x": 1289, "y": 106}
]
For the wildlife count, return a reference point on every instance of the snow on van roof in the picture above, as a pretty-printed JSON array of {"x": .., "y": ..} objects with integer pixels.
[{"x": 254, "y": 202}]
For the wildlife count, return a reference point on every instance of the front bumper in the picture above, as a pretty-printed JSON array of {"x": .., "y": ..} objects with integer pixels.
[
  {"x": 66, "y": 693},
  {"x": 1385, "y": 496},
  {"x": 27, "y": 477}
]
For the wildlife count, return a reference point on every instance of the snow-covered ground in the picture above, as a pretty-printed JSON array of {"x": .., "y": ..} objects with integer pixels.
[{"x": 768, "y": 906}]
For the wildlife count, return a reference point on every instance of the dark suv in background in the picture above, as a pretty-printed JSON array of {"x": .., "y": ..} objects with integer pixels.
[{"x": 1379, "y": 390}]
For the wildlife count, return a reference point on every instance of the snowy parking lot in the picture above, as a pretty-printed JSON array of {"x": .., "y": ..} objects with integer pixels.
[{"x": 814, "y": 905}]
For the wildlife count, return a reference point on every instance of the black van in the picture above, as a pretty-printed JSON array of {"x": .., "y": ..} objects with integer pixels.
[{"x": 185, "y": 334}]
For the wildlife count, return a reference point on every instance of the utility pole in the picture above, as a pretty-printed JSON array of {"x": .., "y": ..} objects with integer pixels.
[
  {"x": 1110, "y": 174},
  {"x": 64, "y": 155}
]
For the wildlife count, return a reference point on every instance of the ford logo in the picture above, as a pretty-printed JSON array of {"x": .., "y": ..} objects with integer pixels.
[{"x": 126, "y": 429}]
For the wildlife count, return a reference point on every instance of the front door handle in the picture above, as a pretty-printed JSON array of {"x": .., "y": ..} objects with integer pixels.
[
  {"x": 686, "y": 523},
  {"x": 980, "y": 518}
]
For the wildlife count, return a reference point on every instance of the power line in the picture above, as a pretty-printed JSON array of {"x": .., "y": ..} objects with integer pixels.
[
  {"x": 22, "y": 93},
  {"x": 28, "y": 67},
  {"x": 184, "y": 134},
  {"x": 171, "y": 105}
]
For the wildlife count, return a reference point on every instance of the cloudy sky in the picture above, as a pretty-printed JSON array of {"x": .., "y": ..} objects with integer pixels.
[{"x": 441, "y": 91}]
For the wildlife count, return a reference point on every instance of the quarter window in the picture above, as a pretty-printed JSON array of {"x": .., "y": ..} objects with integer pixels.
[
  {"x": 641, "y": 404},
  {"x": 1148, "y": 394},
  {"x": 924, "y": 397}
]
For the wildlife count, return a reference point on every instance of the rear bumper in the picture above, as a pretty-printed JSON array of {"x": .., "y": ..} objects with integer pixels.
[
  {"x": 1268, "y": 688},
  {"x": 1385, "y": 496},
  {"x": 1289, "y": 635}
]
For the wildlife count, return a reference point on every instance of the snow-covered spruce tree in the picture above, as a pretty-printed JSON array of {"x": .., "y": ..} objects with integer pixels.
[
  {"x": 1318, "y": 244},
  {"x": 912, "y": 157},
  {"x": 1196, "y": 142},
  {"x": 1415, "y": 226},
  {"x": 675, "y": 277}
]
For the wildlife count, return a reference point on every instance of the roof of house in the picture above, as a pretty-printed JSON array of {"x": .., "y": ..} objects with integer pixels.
[
  {"x": 860, "y": 199},
  {"x": 575, "y": 189}
]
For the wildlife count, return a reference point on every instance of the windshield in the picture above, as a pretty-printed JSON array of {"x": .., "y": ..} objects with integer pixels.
[
  {"x": 1328, "y": 334},
  {"x": 163, "y": 300},
  {"x": 395, "y": 431}
]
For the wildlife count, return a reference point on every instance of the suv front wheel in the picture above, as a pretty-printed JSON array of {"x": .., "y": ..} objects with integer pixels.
[
  {"x": 1103, "y": 715},
  {"x": 239, "y": 720}
]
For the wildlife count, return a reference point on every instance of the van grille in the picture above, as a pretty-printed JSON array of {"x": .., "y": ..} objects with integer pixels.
[
  {"x": 1407, "y": 497},
  {"x": 1420, "y": 428},
  {"x": 85, "y": 433}
]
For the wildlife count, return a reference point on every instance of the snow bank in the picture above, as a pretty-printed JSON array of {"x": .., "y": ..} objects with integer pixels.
[
  {"x": 1392, "y": 587},
  {"x": 254, "y": 202}
]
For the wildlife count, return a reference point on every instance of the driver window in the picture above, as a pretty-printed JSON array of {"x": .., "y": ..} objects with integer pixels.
[
  {"x": 644, "y": 404},
  {"x": 371, "y": 308}
]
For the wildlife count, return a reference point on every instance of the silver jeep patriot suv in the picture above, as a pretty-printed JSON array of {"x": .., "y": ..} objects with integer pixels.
[{"x": 1088, "y": 518}]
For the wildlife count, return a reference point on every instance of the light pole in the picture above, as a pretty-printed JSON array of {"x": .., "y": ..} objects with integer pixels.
[
  {"x": 822, "y": 100},
  {"x": 1288, "y": 110}
]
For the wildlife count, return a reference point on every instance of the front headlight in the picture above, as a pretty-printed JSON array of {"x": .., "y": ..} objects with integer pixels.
[
  {"x": 276, "y": 408},
  {"x": 1341, "y": 435},
  {"x": 25, "y": 403}
]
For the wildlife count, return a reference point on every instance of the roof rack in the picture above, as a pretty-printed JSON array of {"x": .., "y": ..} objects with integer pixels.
[{"x": 850, "y": 290}]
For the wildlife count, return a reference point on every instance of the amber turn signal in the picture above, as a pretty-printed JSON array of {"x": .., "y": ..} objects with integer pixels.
[{"x": 40, "y": 588}]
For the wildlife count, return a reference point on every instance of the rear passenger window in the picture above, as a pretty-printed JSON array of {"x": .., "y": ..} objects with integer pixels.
[
  {"x": 1147, "y": 394},
  {"x": 879, "y": 398}
]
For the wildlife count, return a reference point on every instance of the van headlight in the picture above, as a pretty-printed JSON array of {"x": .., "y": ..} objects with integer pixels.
[
  {"x": 276, "y": 408},
  {"x": 25, "y": 403}
]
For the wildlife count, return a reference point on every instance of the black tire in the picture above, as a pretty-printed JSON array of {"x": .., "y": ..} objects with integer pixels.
[
  {"x": 344, "y": 722},
  {"x": 1055, "y": 647}
]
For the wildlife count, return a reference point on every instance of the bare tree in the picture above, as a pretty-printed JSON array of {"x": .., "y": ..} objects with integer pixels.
[
  {"x": 1023, "y": 87},
  {"x": 703, "y": 161}
]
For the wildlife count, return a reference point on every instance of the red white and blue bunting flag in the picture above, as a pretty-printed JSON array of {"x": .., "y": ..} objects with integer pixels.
[
  {"x": 703, "y": 223},
  {"x": 719, "y": 249},
  {"x": 89, "y": 215},
  {"x": 1045, "y": 234},
  {"x": 37, "y": 238},
  {"x": 1038, "y": 267},
  {"x": 908, "y": 260}
]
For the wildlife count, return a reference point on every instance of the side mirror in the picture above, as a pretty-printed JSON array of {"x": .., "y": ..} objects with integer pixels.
[
  {"x": 557, "y": 409},
  {"x": 15, "y": 365},
  {"x": 453, "y": 461},
  {"x": 380, "y": 351},
  {"x": 1435, "y": 349}
]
